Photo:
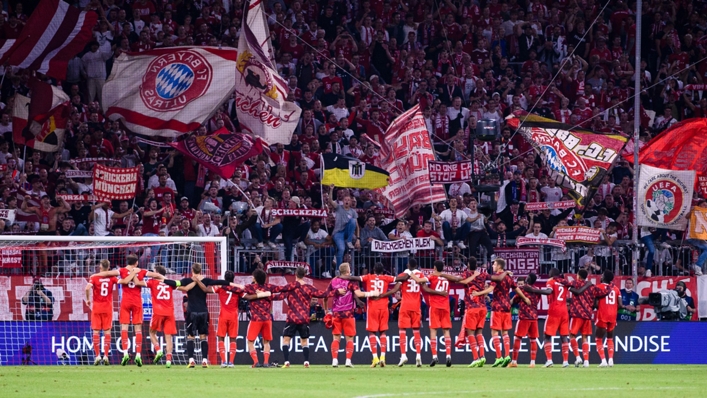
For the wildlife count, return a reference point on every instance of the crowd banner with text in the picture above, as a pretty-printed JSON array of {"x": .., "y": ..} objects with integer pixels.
[
  {"x": 314, "y": 213},
  {"x": 449, "y": 172},
  {"x": 271, "y": 266},
  {"x": 114, "y": 183},
  {"x": 578, "y": 234},
  {"x": 77, "y": 198},
  {"x": 78, "y": 174},
  {"x": 520, "y": 261},
  {"x": 664, "y": 197},
  {"x": 535, "y": 206},
  {"x": 402, "y": 245},
  {"x": 530, "y": 241},
  {"x": 221, "y": 152}
]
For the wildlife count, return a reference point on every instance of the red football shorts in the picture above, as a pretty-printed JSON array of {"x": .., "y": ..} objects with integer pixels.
[
  {"x": 409, "y": 319},
  {"x": 440, "y": 318},
  {"x": 580, "y": 327},
  {"x": 609, "y": 326},
  {"x": 501, "y": 320},
  {"x": 227, "y": 326},
  {"x": 475, "y": 318},
  {"x": 262, "y": 328},
  {"x": 557, "y": 323},
  {"x": 130, "y": 309},
  {"x": 101, "y": 321},
  {"x": 345, "y": 326},
  {"x": 164, "y": 323},
  {"x": 527, "y": 328},
  {"x": 377, "y": 320}
]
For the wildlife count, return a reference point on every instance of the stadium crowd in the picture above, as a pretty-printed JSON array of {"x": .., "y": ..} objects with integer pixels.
[{"x": 353, "y": 67}]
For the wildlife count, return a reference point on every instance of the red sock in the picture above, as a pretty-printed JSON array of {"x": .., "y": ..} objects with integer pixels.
[
  {"x": 232, "y": 350},
  {"x": 610, "y": 346},
  {"x": 349, "y": 349},
  {"x": 169, "y": 357},
  {"x": 97, "y": 344},
  {"x": 497, "y": 346},
  {"x": 516, "y": 348},
  {"x": 585, "y": 349},
  {"x": 222, "y": 350},
  {"x": 106, "y": 343},
  {"x": 374, "y": 344},
  {"x": 480, "y": 341},
  {"x": 474, "y": 346},
  {"x": 448, "y": 345},
  {"x": 254, "y": 356},
  {"x": 124, "y": 340},
  {"x": 433, "y": 347},
  {"x": 403, "y": 342},
  {"x": 266, "y": 357},
  {"x": 533, "y": 349},
  {"x": 565, "y": 351},
  {"x": 335, "y": 349},
  {"x": 548, "y": 350},
  {"x": 138, "y": 342},
  {"x": 507, "y": 344},
  {"x": 418, "y": 340},
  {"x": 575, "y": 346},
  {"x": 600, "y": 348},
  {"x": 384, "y": 343}
]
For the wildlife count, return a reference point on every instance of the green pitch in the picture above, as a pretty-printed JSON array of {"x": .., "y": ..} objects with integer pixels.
[{"x": 322, "y": 381}]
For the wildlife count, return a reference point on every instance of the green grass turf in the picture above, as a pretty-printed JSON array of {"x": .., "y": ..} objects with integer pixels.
[{"x": 322, "y": 381}]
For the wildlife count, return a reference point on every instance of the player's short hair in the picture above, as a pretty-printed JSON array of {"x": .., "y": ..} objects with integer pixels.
[
  {"x": 105, "y": 264},
  {"x": 301, "y": 272},
  {"x": 531, "y": 278},
  {"x": 501, "y": 263},
  {"x": 196, "y": 268},
  {"x": 554, "y": 272},
  {"x": 583, "y": 274},
  {"x": 412, "y": 264},
  {"x": 378, "y": 268},
  {"x": 229, "y": 276},
  {"x": 132, "y": 259},
  {"x": 160, "y": 269},
  {"x": 608, "y": 276},
  {"x": 439, "y": 266},
  {"x": 344, "y": 268},
  {"x": 259, "y": 276},
  {"x": 471, "y": 263}
]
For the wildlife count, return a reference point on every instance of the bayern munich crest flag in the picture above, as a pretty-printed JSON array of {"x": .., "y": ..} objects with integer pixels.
[
  {"x": 220, "y": 153},
  {"x": 664, "y": 197},
  {"x": 261, "y": 94},
  {"x": 170, "y": 91}
]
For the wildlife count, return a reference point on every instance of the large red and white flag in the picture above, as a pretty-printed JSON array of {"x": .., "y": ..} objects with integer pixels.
[
  {"x": 169, "y": 91},
  {"x": 46, "y": 133},
  {"x": 406, "y": 152},
  {"x": 256, "y": 19},
  {"x": 53, "y": 35},
  {"x": 20, "y": 116},
  {"x": 114, "y": 183},
  {"x": 261, "y": 94}
]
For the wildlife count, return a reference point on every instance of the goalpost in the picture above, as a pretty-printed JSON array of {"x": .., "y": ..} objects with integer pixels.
[{"x": 62, "y": 265}]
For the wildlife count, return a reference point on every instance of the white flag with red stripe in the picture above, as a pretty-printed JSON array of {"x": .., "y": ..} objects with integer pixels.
[
  {"x": 257, "y": 21},
  {"x": 53, "y": 35},
  {"x": 169, "y": 91}
]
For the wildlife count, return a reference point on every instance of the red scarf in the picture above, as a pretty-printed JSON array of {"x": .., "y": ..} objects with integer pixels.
[{"x": 501, "y": 241}]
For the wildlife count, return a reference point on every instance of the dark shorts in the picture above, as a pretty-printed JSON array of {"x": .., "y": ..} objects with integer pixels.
[
  {"x": 198, "y": 323},
  {"x": 294, "y": 329}
]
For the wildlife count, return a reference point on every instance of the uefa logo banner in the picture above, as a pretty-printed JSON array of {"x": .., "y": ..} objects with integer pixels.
[{"x": 664, "y": 197}]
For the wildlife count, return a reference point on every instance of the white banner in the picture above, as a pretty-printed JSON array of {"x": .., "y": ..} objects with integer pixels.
[
  {"x": 402, "y": 245},
  {"x": 78, "y": 173},
  {"x": 530, "y": 241},
  {"x": 664, "y": 197},
  {"x": 7, "y": 214}
]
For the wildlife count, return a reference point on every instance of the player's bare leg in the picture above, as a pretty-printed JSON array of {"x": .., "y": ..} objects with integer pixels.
[
  {"x": 349, "y": 351},
  {"x": 106, "y": 346},
  {"x": 336, "y": 342},
  {"x": 448, "y": 347},
  {"x": 600, "y": 334},
  {"x": 285, "y": 347}
]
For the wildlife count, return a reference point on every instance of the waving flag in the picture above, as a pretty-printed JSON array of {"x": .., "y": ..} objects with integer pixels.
[
  {"x": 169, "y": 91},
  {"x": 37, "y": 126},
  {"x": 220, "y": 153},
  {"x": 577, "y": 159},
  {"x": 53, "y": 35},
  {"x": 348, "y": 172},
  {"x": 257, "y": 21},
  {"x": 261, "y": 94},
  {"x": 664, "y": 197}
]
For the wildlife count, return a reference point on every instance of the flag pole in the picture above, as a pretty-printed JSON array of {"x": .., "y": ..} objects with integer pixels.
[{"x": 636, "y": 133}]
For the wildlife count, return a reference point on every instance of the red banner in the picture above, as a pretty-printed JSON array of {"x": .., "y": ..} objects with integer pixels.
[
  {"x": 220, "y": 152},
  {"x": 317, "y": 213},
  {"x": 520, "y": 261},
  {"x": 114, "y": 183},
  {"x": 695, "y": 87},
  {"x": 449, "y": 172},
  {"x": 535, "y": 206},
  {"x": 528, "y": 241},
  {"x": 578, "y": 234},
  {"x": 702, "y": 185},
  {"x": 10, "y": 258}
]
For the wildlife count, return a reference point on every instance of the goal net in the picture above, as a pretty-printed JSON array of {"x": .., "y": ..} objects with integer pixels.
[{"x": 43, "y": 316}]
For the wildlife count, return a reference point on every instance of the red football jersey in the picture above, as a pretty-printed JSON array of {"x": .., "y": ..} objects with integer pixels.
[
  {"x": 162, "y": 303},
  {"x": 476, "y": 285},
  {"x": 501, "y": 301},
  {"x": 609, "y": 299},
  {"x": 438, "y": 284},
  {"x": 378, "y": 283},
  {"x": 131, "y": 294},
  {"x": 410, "y": 295},
  {"x": 558, "y": 297},
  {"x": 103, "y": 294},
  {"x": 229, "y": 298}
]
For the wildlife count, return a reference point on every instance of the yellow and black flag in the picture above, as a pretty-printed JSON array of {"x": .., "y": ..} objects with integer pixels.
[{"x": 348, "y": 172}]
